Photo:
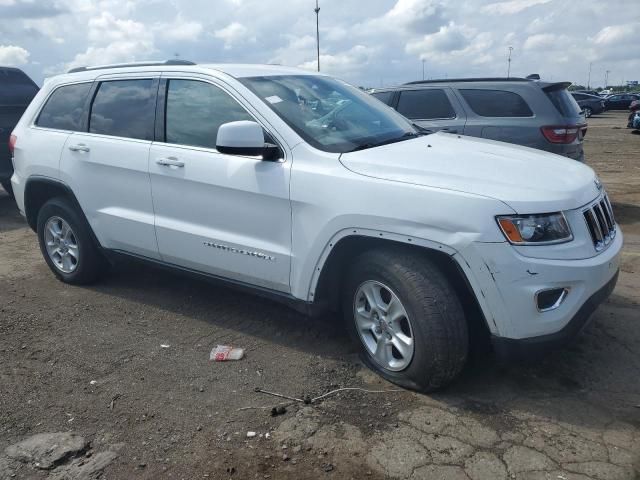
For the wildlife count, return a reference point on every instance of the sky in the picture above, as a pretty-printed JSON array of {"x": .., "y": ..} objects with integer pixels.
[{"x": 370, "y": 43}]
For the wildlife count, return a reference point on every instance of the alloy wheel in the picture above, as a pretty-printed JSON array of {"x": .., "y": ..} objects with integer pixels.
[
  {"x": 383, "y": 326},
  {"x": 62, "y": 245}
]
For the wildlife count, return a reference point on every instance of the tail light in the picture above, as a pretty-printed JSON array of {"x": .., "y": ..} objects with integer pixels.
[
  {"x": 563, "y": 133},
  {"x": 12, "y": 143}
]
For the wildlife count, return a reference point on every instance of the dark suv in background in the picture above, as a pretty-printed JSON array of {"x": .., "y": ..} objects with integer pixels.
[
  {"x": 16, "y": 92},
  {"x": 523, "y": 111}
]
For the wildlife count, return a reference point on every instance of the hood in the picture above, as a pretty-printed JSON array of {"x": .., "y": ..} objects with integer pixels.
[{"x": 528, "y": 180}]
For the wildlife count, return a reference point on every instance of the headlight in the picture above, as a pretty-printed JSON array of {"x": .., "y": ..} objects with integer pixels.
[{"x": 535, "y": 229}]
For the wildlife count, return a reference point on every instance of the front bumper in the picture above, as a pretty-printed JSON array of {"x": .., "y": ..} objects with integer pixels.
[
  {"x": 506, "y": 282},
  {"x": 525, "y": 348}
]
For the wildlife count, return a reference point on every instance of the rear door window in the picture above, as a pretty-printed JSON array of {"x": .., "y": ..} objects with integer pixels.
[
  {"x": 426, "y": 104},
  {"x": 384, "y": 97},
  {"x": 496, "y": 103},
  {"x": 65, "y": 108},
  {"x": 195, "y": 111},
  {"x": 124, "y": 108}
]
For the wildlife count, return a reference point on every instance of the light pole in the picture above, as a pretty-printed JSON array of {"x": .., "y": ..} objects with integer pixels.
[
  {"x": 509, "y": 62},
  {"x": 589, "y": 79},
  {"x": 606, "y": 78},
  {"x": 317, "y": 10},
  {"x": 423, "y": 60}
]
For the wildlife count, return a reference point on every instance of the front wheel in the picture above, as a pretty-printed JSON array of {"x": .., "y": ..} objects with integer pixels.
[
  {"x": 588, "y": 112},
  {"x": 406, "y": 318}
]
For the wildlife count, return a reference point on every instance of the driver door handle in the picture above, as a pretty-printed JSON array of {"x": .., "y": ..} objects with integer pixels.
[
  {"x": 80, "y": 147},
  {"x": 170, "y": 162}
]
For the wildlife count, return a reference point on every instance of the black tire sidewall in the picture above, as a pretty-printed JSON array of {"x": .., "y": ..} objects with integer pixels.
[{"x": 89, "y": 261}]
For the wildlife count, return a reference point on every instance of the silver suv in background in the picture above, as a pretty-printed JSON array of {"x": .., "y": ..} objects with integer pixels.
[{"x": 523, "y": 111}]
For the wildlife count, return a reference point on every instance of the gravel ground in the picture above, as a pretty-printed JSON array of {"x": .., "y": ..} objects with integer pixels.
[{"x": 91, "y": 361}]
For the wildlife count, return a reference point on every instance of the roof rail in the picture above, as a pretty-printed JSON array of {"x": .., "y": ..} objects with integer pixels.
[
  {"x": 132, "y": 64},
  {"x": 487, "y": 79}
]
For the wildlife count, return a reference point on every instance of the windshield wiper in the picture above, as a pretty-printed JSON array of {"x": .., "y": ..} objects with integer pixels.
[{"x": 405, "y": 136}]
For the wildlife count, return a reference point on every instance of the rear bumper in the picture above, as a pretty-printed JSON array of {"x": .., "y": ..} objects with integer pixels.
[{"x": 514, "y": 349}]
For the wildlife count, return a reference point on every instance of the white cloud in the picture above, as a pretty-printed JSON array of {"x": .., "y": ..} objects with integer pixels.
[
  {"x": 616, "y": 34},
  {"x": 180, "y": 30},
  {"x": 13, "y": 55},
  {"x": 232, "y": 34},
  {"x": 449, "y": 38},
  {"x": 511, "y": 7},
  {"x": 381, "y": 42},
  {"x": 343, "y": 63},
  {"x": 544, "y": 41},
  {"x": 114, "y": 40}
]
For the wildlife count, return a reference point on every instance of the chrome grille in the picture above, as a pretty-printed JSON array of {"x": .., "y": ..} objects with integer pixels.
[{"x": 600, "y": 222}]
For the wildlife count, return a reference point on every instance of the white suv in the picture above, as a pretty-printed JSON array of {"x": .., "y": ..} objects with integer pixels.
[{"x": 309, "y": 190}]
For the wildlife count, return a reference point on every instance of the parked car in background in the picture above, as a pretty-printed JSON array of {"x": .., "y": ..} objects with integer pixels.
[
  {"x": 588, "y": 92},
  {"x": 620, "y": 101},
  {"x": 527, "y": 112},
  {"x": 590, "y": 105},
  {"x": 605, "y": 92},
  {"x": 16, "y": 91},
  {"x": 306, "y": 189}
]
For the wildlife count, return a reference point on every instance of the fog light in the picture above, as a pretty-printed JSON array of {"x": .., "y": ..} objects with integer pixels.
[{"x": 551, "y": 298}]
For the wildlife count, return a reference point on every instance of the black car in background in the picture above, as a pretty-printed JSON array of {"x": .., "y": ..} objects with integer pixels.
[
  {"x": 590, "y": 104},
  {"x": 16, "y": 91},
  {"x": 620, "y": 101},
  {"x": 588, "y": 92}
]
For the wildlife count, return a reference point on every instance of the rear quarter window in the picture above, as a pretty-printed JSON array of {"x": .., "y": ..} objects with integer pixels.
[
  {"x": 564, "y": 102},
  {"x": 65, "y": 108},
  {"x": 496, "y": 103}
]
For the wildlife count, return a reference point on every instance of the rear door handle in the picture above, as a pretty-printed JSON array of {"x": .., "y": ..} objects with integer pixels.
[
  {"x": 80, "y": 147},
  {"x": 170, "y": 162}
]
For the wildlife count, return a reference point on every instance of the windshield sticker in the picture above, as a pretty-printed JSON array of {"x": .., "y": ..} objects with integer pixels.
[{"x": 273, "y": 99}]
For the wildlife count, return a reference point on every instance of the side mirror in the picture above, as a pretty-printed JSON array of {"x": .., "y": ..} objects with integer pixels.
[{"x": 245, "y": 138}]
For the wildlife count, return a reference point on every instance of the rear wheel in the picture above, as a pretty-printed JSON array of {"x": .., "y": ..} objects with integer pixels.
[
  {"x": 406, "y": 318},
  {"x": 587, "y": 112},
  {"x": 67, "y": 245},
  {"x": 6, "y": 184}
]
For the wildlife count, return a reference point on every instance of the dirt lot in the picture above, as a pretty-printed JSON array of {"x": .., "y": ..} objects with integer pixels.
[{"x": 91, "y": 361}]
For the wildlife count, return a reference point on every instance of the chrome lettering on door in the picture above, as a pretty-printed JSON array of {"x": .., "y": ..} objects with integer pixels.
[{"x": 227, "y": 248}]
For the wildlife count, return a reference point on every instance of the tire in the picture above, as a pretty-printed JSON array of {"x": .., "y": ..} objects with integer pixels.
[
  {"x": 6, "y": 184},
  {"x": 588, "y": 112},
  {"x": 86, "y": 264},
  {"x": 434, "y": 316}
]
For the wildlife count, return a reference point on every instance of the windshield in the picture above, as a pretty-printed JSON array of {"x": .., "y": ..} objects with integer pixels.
[{"x": 329, "y": 114}]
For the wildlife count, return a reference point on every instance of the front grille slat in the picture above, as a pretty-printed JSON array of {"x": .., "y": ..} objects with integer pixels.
[
  {"x": 600, "y": 222},
  {"x": 607, "y": 217}
]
